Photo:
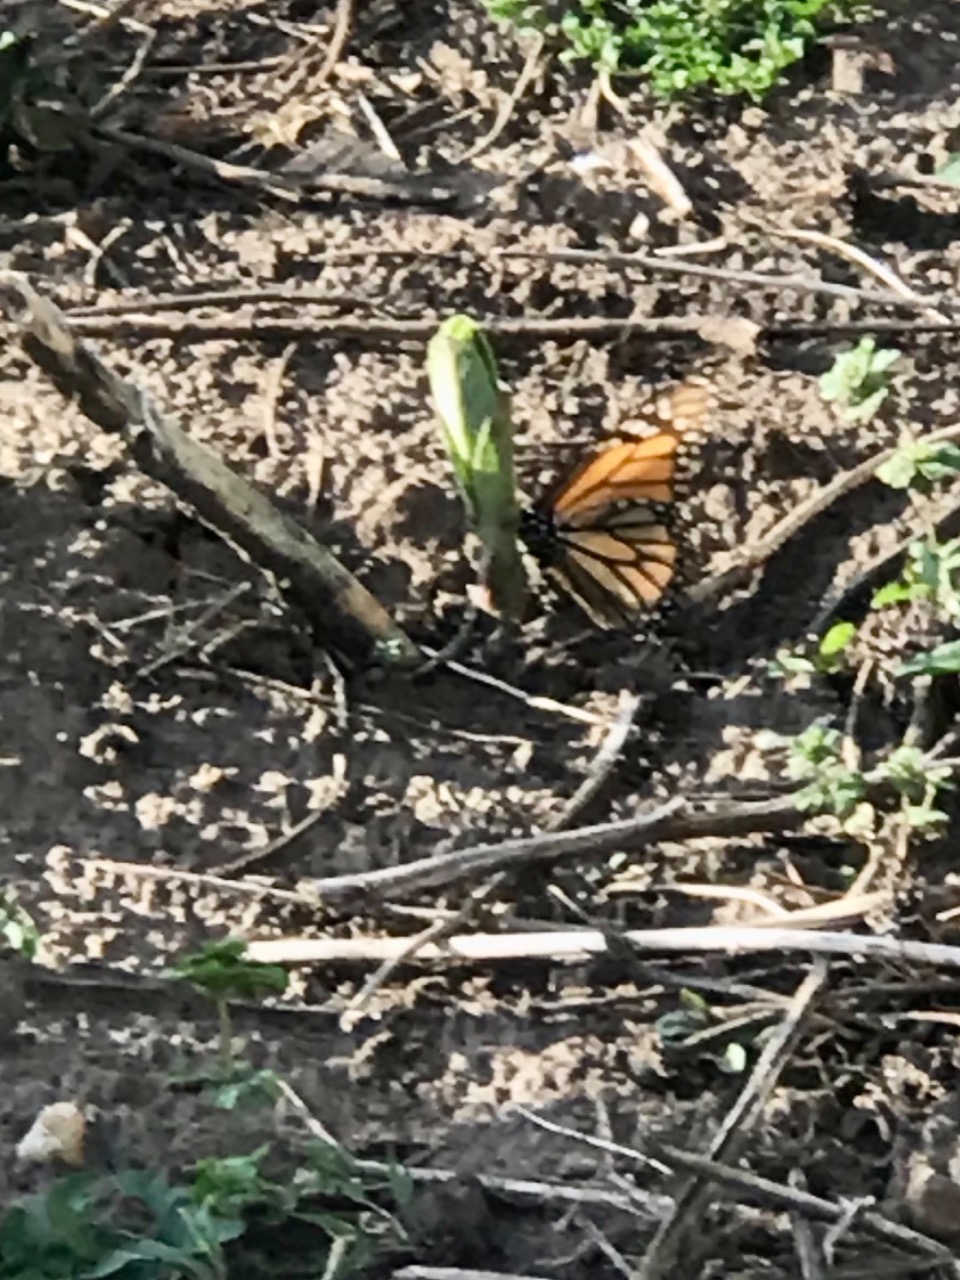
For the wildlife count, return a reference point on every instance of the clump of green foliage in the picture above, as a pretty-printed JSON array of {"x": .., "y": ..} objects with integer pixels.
[
  {"x": 133, "y": 1224},
  {"x": 831, "y": 779},
  {"x": 725, "y": 46}
]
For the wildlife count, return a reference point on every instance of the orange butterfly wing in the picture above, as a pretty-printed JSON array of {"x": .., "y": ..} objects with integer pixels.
[{"x": 603, "y": 535}]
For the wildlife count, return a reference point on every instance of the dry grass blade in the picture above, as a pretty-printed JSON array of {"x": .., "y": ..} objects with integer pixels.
[{"x": 579, "y": 944}]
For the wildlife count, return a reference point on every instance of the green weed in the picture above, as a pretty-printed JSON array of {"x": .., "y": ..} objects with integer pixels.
[
  {"x": 857, "y": 382},
  {"x": 221, "y": 971},
  {"x": 724, "y": 46}
]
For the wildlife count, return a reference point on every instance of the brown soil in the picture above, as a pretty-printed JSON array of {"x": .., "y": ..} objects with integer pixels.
[{"x": 128, "y": 738}]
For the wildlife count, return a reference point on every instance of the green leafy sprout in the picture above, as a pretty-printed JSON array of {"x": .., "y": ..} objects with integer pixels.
[
  {"x": 920, "y": 463},
  {"x": 221, "y": 971},
  {"x": 17, "y": 927},
  {"x": 931, "y": 572},
  {"x": 136, "y": 1225},
  {"x": 825, "y": 656},
  {"x": 729, "y": 47},
  {"x": 474, "y": 416},
  {"x": 857, "y": 381}
]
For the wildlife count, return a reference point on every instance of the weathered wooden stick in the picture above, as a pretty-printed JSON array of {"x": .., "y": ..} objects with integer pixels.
[{"x": 345, "y": 614}]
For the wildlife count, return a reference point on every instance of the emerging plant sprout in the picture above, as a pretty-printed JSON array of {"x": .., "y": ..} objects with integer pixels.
[{"x": 474, "y": 415}]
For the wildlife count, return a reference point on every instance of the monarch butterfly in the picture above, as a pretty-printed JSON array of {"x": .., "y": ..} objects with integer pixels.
[{"x": 605, "y": 535}]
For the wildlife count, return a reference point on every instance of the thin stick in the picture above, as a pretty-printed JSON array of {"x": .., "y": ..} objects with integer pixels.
[
  {"x": 378, "y": 128},
  {"x": 507, "y": 107},
  {"x": 444, "y": 928},
  {"x": 690, "y": 1203},
  {"x": 378, "y": 328},
  {"x": 413, "y": 189},
  {"x": 758, "y": 1190},
  {"x": 128, "y": 77},
  {"x": 342, "y": 23},
  {"x": 342, "y": 609},
  {"x": 374, "y": 330},
  {"x": 533, "y": 701},
  {"x": 241, "y": 888},
  {"x": 271, "y": 399},
  {"x": 579, "y": 944},
  {"x": 602, "y": 766},
  {"x": 809, "y": 1257},
  {"x": 673, "y": 820},
  {"x": 859, "y": 258},
  {"x": 754, "y": 279},
  {"x": 794, "y": 521},
  {"x": 258, "y": 857},
  {"x": 210, "y": 297}
]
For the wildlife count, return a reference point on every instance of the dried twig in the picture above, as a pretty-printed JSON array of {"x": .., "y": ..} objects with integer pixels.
[
  {"x": 534, "y": 701},
  {"x": 251, "y": 295},
  {"x": 754, "y": 279},
  {"x": 674, "y": 820},
  {"x": 579, "y": 944},
  {"x": 379, "y": 130},
  {"x": 859, "y": 258},
  {"x": 241, "y": 888},
  {"x": 808, "y": 1254},
  {"x": 333, "y": 53},
  {"x": 375, "y": 330},
  {"x": 507, "y": 107},
  {"x": 797, "y": 519},
  {"x": 690, "y": 1202},
  {"x": 128, "y": 77},
  {"x": 447, "y": 926},
  {"x": 271, "y": 399},
  {"x": 416, "y": 188},
  {"x": 341, "y": 609},
  {"x": 603, "y": 764},
  {"x": 763, "y": 1191}
]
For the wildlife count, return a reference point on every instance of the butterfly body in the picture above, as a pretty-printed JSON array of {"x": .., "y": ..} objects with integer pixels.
[{"x": 605, "y": 535}]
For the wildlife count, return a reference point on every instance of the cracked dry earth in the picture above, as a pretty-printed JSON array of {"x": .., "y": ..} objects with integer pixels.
[{"x": 154, "y": 714}]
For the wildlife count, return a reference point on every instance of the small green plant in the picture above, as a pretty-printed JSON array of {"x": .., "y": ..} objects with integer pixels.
[
  {"x": 17, "y": 927},
  {"x": 919, "y": 464},
  {"x": 222, "y": 972},
  {"x": 825, "y": 656},
  {"x": 931, "y": 572},
  {"x": 941, "y": 660},
  {"x": 949, "y": 171},
  {"x": 815, "y": 760},
  {"x": 693, "y": 1030},
  {"x": 474, "y": 416},
  {"x": 724, "y": 46},
  {"x": 857, "y": 381}
]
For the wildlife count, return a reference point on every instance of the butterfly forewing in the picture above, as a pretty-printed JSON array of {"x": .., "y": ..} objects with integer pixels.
[{"x": 638, "y": 470}]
